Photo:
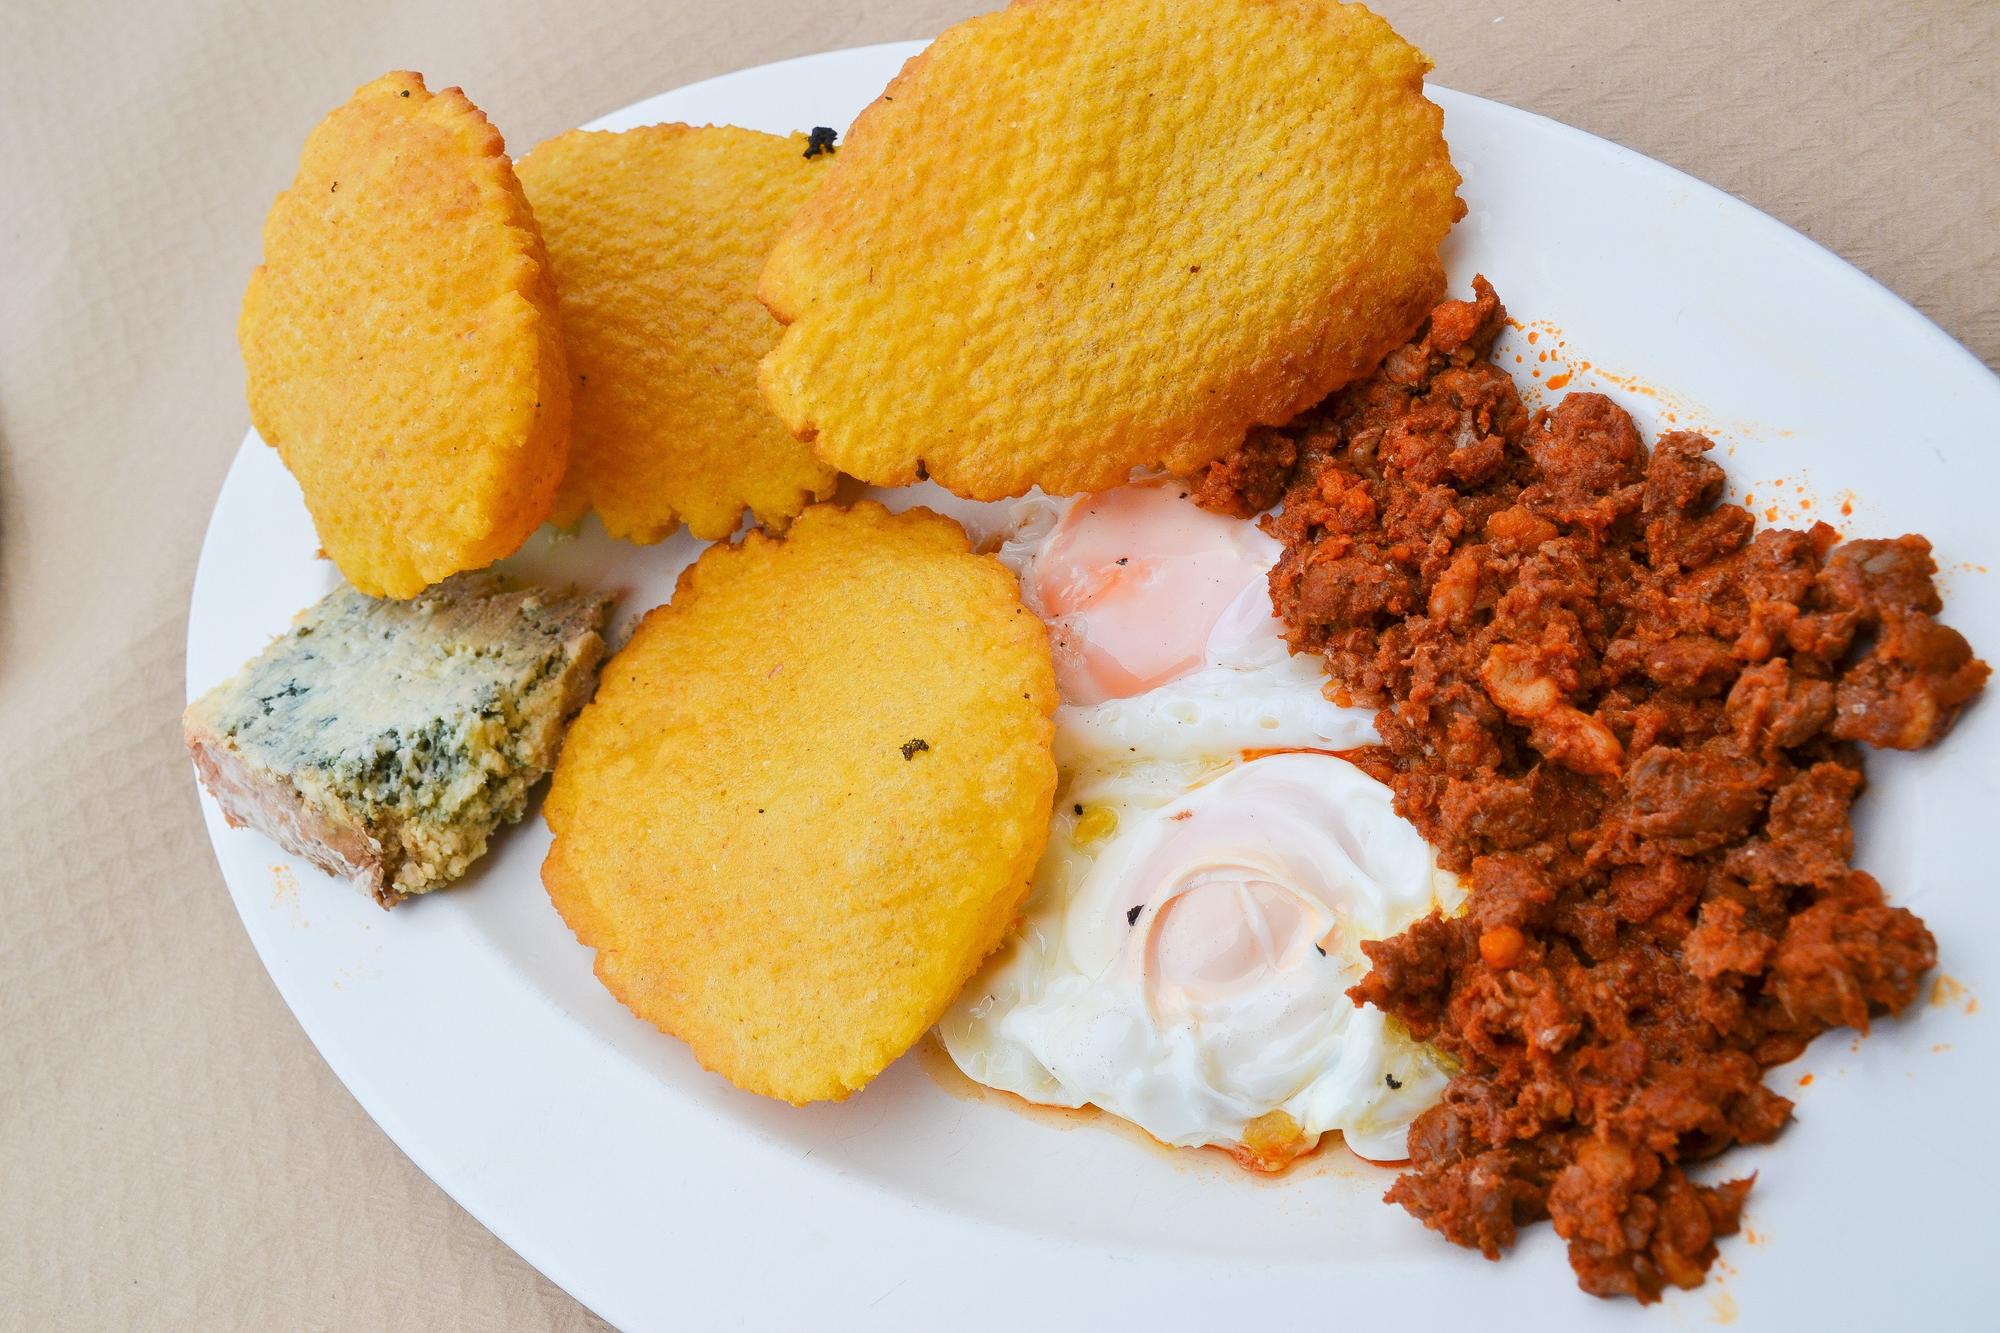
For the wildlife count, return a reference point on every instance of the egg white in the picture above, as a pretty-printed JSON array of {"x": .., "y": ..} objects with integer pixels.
[
  {"x": 1058, "y": 1017},
  {"x": 1062, "y": 1015}
]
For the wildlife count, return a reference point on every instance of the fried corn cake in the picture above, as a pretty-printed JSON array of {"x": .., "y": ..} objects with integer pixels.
[
  {"x": 403, "y": 344},
  {"x": 657, "y": 235},
  {"x": 1078, "y": 237},
  {"x": 809, "y": 796}
]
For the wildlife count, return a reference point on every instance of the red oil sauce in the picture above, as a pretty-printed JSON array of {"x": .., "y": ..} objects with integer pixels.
[
  {"x": 1552, "y": 350},
  {"x": 1949, "y": 990},
  {"x": 1330, "y": 1156},
  {"x": 1265, "y": 752},
  {"x": 1370, "y": 759}
]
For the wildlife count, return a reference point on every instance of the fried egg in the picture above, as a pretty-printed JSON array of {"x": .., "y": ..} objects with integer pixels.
[{"x": 1213, "y": 864}]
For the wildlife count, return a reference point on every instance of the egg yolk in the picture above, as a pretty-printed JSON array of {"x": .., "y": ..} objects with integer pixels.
[
  {"x": 1241, "y": 899},
  {"x": 1134, "y": 583},
  {"x": 1222, "y": 935}
]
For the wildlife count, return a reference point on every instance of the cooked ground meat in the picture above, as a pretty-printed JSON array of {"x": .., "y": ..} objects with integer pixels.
[
  {"x": 1628, "y": 718},
  {"x": 1251, "y": 479}
]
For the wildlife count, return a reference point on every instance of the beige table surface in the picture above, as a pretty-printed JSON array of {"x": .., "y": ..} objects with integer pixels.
[{"x": 172, "y": 1150}]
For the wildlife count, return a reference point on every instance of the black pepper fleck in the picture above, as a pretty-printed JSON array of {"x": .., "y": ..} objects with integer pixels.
[
  {"x": 910, "y": 748},
  {"x": 1132, "y": 916},
  {"x": 1078, "y": 807},
  {"x": 1393, "y": 1082},
  {"x": 821, "y": 140},
  {"x": 1321, "y": 948}
]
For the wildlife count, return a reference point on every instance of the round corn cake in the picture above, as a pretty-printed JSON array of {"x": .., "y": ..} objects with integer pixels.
[
  {"x": 809, "y": 796},
  {"x": 657, "y": 235},
  {"x": 402, "y": 341},
  {"x": 1077, "y": 237}
]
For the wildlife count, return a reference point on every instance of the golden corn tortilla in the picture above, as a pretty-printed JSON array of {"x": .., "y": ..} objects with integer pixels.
[
  {"x": 657, "y": 235},
  {"x": 403, "y": 346},
  {"x": 1078, "y": 237},
  {"x": 809, "y": 796}
]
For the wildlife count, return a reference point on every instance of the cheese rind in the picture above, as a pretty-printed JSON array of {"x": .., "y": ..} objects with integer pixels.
[{"x": 386, "y": 741}]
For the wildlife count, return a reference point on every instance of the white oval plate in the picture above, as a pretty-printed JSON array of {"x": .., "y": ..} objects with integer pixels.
[{"x": 469, "y": 1024}]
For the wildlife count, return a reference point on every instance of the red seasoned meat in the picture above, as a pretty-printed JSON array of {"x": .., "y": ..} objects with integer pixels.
[{"x": 1628, "y": 717}]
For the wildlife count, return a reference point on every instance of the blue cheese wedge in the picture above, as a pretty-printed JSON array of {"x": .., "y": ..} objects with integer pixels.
[{"x": 387, "y": 740}]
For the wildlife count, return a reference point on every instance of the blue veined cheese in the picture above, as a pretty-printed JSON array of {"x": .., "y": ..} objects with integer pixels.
[{"x": 387, "y": 740}]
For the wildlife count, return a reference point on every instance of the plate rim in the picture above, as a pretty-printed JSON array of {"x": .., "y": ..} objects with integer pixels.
[{"x": 425, "y": 1154}]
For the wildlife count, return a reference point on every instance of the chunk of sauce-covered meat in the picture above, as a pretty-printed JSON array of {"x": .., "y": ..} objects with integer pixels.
[{"x": 1629, "y": 718}]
